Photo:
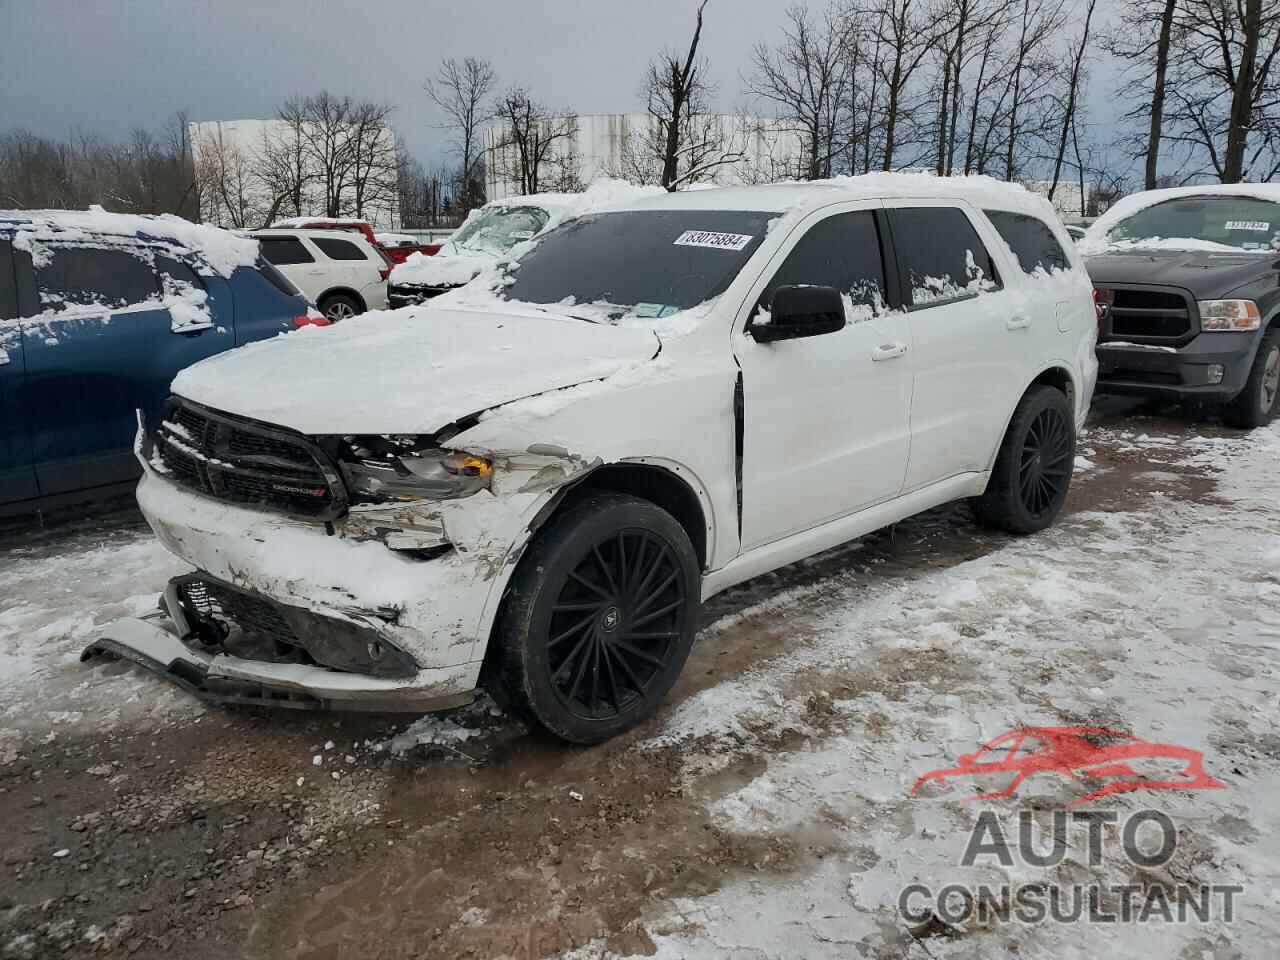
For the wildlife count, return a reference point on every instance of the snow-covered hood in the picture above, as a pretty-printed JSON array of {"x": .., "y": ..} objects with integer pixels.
[
  {"x": 451, "y": 267},
  {"x": 409, "y": 371}
]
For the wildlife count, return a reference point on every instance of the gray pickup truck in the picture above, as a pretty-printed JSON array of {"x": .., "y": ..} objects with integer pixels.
[{"x": 1187, "y": 286}]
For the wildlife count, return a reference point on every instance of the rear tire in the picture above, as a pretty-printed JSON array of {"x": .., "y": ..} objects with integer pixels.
[
  {"x": 338, "y": 307},
  {"x": 599, "y": 618},
  {"x": 1033, "y": 468},
  {"x": 1258, "y": 401}
]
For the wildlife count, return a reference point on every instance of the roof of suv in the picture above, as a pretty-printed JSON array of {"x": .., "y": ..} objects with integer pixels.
[
  {"x": 349, "y": 235},
  {"x": 222, "y": 250},
  {"x": 809, "y": 195}
]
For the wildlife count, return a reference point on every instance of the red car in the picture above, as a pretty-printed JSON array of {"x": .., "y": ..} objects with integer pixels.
[{"x": 1117, "y": 761}]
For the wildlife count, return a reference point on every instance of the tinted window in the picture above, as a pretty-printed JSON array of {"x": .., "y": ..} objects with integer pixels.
[
  {"x": 92, "y": 276},
  {"x": 177, "y": 270},
  {"x": 1243, "y": 222},
  {"x": 338, "y": 249},
  {"x": 1031, "y": 240},
  {"x": 283, "y": 251},
  {"x": 637, "y": 263},
  {"x": 842, "y": 252},
  {"x": 940, "y": 256},
  {"x": 8, "y": 291},
  {"x": 278, "y": 279}
]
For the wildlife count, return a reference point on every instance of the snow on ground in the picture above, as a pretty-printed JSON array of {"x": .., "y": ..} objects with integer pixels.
[
  {"x": 1163, "y": 622},
  {"x": 53, "y": 596}
]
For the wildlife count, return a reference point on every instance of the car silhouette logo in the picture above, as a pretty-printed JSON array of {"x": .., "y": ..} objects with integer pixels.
[{"x": 1107, "y": 761}]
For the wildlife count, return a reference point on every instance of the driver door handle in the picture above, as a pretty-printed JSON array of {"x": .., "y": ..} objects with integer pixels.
[
  {"x": 889, "y": 351},
  {"x": 1019, "y": 321}
]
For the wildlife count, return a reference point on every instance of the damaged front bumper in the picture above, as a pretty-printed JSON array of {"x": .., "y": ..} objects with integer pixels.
[{"x": 153, "y": 643}]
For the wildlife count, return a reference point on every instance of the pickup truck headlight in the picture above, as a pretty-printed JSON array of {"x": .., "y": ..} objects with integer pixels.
[
  {"x": 1229, "y": 315},
  {"x": 388, "y": 470}
]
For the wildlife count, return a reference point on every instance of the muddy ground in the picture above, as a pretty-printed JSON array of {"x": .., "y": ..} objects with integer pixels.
[{"x": 240, "y": 832}]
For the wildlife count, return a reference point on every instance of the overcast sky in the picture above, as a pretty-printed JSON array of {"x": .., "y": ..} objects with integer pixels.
[{"x": 111, "y": 65}]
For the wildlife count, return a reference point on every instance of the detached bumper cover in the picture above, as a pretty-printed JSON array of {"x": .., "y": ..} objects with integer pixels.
[{"x": 152, "y": 643}]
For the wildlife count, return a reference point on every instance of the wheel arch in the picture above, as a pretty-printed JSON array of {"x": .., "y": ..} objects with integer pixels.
[
  {"x": 1057, "y": 375},
  {"x": 343, "y": 292},
  {"x": 663, "y": 483}
]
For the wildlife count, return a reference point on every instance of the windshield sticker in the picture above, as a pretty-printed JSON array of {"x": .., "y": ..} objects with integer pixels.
[
  {"x": 1255, "y": 225},
  {"x": 716, "y": 241}
]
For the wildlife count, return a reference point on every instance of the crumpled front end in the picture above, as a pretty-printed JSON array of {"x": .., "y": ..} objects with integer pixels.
[{"x": 378, "y": 606}]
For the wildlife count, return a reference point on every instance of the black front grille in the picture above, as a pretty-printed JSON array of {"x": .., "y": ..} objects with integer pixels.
[
  {"x": 246, "y": 462},
  {"x": 1138, "y": 314},
  {"x": 226, "y": 619}
]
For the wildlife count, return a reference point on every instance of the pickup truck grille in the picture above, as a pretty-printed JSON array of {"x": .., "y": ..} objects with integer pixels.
[
  {"x": 230, "y": 458},
  {"x": 1139, "y": 315}
]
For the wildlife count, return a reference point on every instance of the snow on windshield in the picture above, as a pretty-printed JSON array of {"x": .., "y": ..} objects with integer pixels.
[{"x": 1224, "y": 218}]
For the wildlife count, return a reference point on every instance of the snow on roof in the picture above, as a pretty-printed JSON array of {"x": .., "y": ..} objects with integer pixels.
[
  {"x": 298, "y": 222},
  {"x": 802, "y": 196},
  {"x": 1095, "y": 238},
  {"x": 222, "y": 250}
]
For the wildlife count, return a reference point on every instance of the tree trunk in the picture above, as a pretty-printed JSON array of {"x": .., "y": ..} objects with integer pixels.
[
  {"x": 1157, "y": 94},
  {"x": 1242, "y": 95}
]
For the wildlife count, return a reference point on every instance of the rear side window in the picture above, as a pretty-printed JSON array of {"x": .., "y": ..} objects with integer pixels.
[
  {"x": 283, "y": 251},
  {"x": 8, "y": 290},
  {"x": 177, "y": 270},
  {"x": 1031, "y": 241},
  {"x": 940, "y": 256},
  {"x": 89, "y": 276},
  {"x": 338, "y": 249},
  {"x": 842, "y": 252},
  {"x": 278, "y": 279}
]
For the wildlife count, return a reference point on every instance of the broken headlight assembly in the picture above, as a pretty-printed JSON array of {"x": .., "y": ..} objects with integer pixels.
[{"x": 405, "y": 469}]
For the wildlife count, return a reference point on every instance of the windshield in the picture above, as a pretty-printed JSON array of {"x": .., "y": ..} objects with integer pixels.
[
  {"x": 497, "y": 230},
  {"x": 1244, "y": 223},
  {"x": 637, "y": 263}
]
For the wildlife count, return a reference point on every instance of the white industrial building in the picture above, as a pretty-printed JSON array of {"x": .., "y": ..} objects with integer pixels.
[
  {"x": 757, "y": 150},
  {"x": 238, "y": 171}
]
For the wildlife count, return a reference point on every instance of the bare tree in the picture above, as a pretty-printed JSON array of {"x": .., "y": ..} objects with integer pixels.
[
  {"x": 1223, "y": 86},
  {"x": 908, "y": 33},
  {"x": 1073, "y": 89},
  {"x": 526, "y": 146},
  {"x": 374, "y": 169},
  {"x": 226, "y": 177},
  {"x": 806, "y": 79},
  {"x": 462, "y": 90}
]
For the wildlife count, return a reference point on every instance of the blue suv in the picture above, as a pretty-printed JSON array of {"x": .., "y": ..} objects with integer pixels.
[{"x": 98, "y": 312}]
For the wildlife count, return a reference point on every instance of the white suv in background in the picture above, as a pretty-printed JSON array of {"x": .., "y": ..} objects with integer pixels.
[
  {"x": 536, "y": 490},
  {"x": 337, "y": 270}
]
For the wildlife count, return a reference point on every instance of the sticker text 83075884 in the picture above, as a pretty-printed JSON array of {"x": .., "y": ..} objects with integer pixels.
[{"x": 716, "y": 241}]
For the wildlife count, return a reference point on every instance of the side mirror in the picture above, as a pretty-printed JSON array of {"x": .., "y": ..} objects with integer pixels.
[{"x": 801, "y": 311}]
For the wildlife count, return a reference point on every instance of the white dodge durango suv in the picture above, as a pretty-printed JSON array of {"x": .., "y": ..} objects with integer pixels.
[
  {"x": 533, "y": 484},
  {"x": 339, "y": 271}
]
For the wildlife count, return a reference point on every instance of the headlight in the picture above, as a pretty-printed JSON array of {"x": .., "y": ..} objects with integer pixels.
[
  {"x": 382, "y": 470},
  {"x": 1230, "y": 315}
]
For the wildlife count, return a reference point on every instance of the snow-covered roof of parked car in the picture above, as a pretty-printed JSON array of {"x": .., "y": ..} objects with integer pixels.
[
  {"x": 801, "y": 196},
  {"x": 220, "y": 249},
  {"x": 1095, "y": 239}
]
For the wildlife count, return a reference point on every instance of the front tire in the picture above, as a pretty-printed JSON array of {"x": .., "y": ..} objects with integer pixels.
[
  {"x": 1033, "y": 468},
  {"x": 1257, "y": 402},
  {"x": 599, "y": 619}
]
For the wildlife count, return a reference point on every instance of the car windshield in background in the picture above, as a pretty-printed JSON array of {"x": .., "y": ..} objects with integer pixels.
[
  {"x": 1242, "y": 222},
  {"x": 637, "y": 263},
  {"x": 498, "y": 230}
]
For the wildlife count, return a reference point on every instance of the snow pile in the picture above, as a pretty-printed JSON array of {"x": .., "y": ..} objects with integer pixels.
[
  {"x": 219, "y": 249},
  {"x": 188, "y": 306},
  {"x": 441, "y": 270},
  {"x": 1096, "y": 240}
]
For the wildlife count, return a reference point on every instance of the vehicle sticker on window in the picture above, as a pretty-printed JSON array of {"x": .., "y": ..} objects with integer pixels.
[
  {"x": 716, "y": 241},
  {"x": 653, "y": 310},
  {"x": 1256, "y": 225}
]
